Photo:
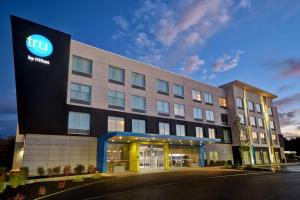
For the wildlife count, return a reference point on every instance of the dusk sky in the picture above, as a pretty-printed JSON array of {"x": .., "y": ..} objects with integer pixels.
[{"x": 212, "y": 41}]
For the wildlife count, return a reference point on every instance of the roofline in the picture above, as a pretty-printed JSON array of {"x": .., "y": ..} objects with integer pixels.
[{"x": 250, "y": 88}]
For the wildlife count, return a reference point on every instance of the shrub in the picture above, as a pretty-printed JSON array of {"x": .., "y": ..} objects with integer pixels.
[
  {"x": 15, "y": 180},
  {"x": 229, "y": 162},
  {"x": 96, "y": 176},
  {"x": 2, "y": 171},
  {"x": 92, "y": 169},
  {"x": 67, "y": 170},
  {"x": 211, "y": 163},
  {"x": 79, "y": 169},
  {"x": 56, "y": 170},
  {"x": 24, "y": 172},
  {"x": 40, "y": 171},
  {"x": 2, "y": 183},
  {"x": 50, "y": 172}
]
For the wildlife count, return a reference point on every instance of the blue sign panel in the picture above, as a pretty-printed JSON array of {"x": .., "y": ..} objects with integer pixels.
[{"x": 39, "y": 45}]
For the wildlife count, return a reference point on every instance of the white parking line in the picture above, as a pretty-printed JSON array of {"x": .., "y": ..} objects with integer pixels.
[{"x": 174, "y": 183}]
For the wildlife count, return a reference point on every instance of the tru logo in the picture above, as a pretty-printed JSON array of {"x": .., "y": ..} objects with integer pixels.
[{"x": 39, "y": 45}]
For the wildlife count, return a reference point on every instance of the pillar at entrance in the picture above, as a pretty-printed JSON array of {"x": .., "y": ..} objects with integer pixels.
[
  {"x": 166, "y": 157},
  {"x": 202, "y": 155},
  {"x": 102, "y": 155},
  {"x": 134, "y": 164}
]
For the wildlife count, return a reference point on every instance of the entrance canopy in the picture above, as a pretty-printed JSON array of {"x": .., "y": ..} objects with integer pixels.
[{"x": 127, "y": 137}]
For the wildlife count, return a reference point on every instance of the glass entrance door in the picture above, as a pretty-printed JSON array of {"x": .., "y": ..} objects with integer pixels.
[{"x": 151, "y": 157}]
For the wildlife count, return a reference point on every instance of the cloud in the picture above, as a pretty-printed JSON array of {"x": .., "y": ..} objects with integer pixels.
[
  {"x": 285, "y": 88},
  {"x": 288, "y": 68},
  {"x": 193, "y": 63},
  {"x": 142, "y": 40},
  {"x": 227, "y": 62},
  {"x": 289, "y": 122},
  {"x": 121, "y": 22},
  {"x": 288, "y": 100}
]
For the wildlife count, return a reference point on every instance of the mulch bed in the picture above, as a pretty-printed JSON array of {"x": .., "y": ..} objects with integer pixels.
[{"x": 34, "y": 190}]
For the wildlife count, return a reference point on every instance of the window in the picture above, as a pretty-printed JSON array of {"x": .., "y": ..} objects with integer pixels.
[
  {"x": 227, "y": 138},
  {"x": 270, "y": 111},
  {"x": 258, "y": 108},
  {"x": 196, "y": 95},
  {"x": 274, "y": 138},
  {"x": 80, "y": 93},
  {"x": 137, "y": 80},
  {"x": 252, "y": 121},
  {"x": 262, "y": 138},
  {"x": 255, "y": 137},
  {"x": 82, "y": 66},
  {"x": 164, "y": 128},
  {"x": 208, "y": 98},
  {"x": 116, "y": 75},
  {"x": 210, "y": 116},
  {"x": 162, "y": 86},
  {"x": 138, "y": 103},
  {"x": 260, "y": 122},
  {"x": 178, "y": 90},
  {"x": 239, "y": 103},
  {"x": 115, "y": 124},
  {"x": 179, "y": 110},
  {"x": 222, "y": 102},
  {"x": 163, "y": 107},
  {"x": 197, "y": 113},
  {"x": 213, "y": 155},
  {"x": 211, "y": 133},
  {"x": 116, "y": 99},
  {"x": 79, "y": 123},
  {"x": 180, "y": 130},
  {"x": 199, "y": 132},
  {"x": 224, "y": 118},
  {"x": 272, "y": 125},
  {"x": 242, "y": 118},
  {"x": 138, "y": 126},
  {"x": 251, "y": 106}
]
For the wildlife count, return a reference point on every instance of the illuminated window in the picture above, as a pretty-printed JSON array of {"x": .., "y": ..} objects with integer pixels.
[
  {"x": 164, "y": 128},
  {"x": 210, "y": 116},
  {"x": 196, "y": 95},
  {"x": 258, "y": 108},
  {"x": 260, "y": 122},
  {"x": 222, "y": 102},
  {"x": 180, "y": 130},
  {"x": 115, "y": 124},
  {"x": 252, "y": 121},
  {"x": 211, "y": 133},
  {"x": 138, "y": 126},
  {"x": 250, "y": 105},
  {"x": 179, "y": 110},
  {"x": 79, "y": 123},
  {"x": 199, "y": 132},
  {"x": 255, "y": 137},
  {"x": 239, "y": 103},
  {"x": 274, "y": 138},
  {"x": 262, "y": 137},
  {"x": 272, "y": 125},
  {"x": 242, "y": 118}
]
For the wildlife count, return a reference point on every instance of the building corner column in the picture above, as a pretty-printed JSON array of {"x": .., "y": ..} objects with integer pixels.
[{"x": 202, "y": 155}]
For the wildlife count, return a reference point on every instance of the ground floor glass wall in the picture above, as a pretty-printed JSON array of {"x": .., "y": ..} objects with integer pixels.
[
  {"x": 117, "y": 157},
  {"x": 186, "y": 156}
]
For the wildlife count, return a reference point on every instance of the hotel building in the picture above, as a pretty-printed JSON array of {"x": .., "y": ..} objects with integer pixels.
[{"x": 78, "y": 104}]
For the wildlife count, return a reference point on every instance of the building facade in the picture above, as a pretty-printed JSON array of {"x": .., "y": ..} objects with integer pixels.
[{"x": 78, "y": 104}]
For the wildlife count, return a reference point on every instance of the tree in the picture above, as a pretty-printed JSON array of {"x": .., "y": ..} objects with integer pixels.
[
  {"x": 7, "y": 148},
  {"x": 241, "y": 129}
]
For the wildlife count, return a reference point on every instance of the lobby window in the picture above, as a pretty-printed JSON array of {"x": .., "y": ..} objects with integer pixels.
[
  {"x": 210, "y": 116},
  {"x": 138, "y": 126},
  {"x": 274, "y": 138},
  {"x": 272, "y": 125},
  {"x": 199, "y": 132},
  {"x": 260, "y": 122},
  {"x": 137, "y": 80},
  {"x": 222, "y": 102},
  {"x": 180, "y": 130},
  {"x": 262, "y": 137},
  {"x": 115, "y": 124},
  {"x": 224, "y": 118},
  {"x": 178, "y": 110},
  {"x": 242, "y": 118},
  {"x": 255, "y": 137},
  {"x": 80, "y": 93},
  {"x": 196, "y": 95},
  {"x": 197, "y": 114},
  {"x": 82, "y": 66},
  {"x": 178, "y": 91},
  {"x": 208, "y": 98},
  {"x": 116, "y": 75},
  {"x": 138, "y": 103},
  {"x": 211, "y": 133},
  {"x": 162, "y": 86},
  {"x": 79, "y": 123},
  {"x": 227, "y": 138},
  {"x": 258, "y": 108},
  {"x": 163, "y": 107},
  {"x": 116, "y": 99},
  {"x": 251, "y": 106},
  {"x": 270, "y": 111},
  {"x": 213, "y": 155},
  {"x": 252, "y": 121},
  {"x": 239, "y": 103},
  {"x": 164, "y": 128}
]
